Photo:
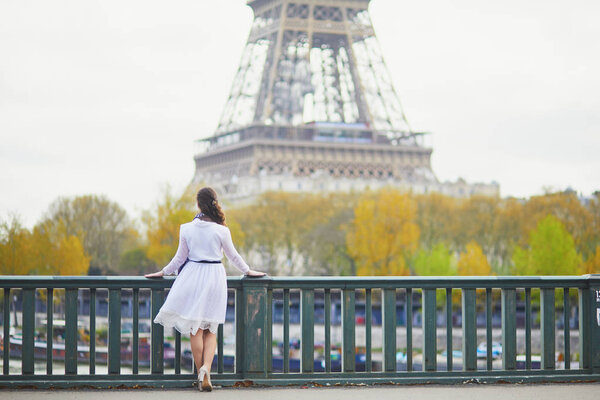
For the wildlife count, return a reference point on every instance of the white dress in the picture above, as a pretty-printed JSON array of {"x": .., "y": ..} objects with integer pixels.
[{"x": 198, "y": 297}]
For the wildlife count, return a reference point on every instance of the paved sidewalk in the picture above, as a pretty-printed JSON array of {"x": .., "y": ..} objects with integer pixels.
[{"x": 580, "y": 391}]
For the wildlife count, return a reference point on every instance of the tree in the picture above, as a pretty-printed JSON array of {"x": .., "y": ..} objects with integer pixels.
[
  {"x": 569, "y": 210},
  {"x": 473, "y": 261},
  {"x": 101, "y": 225},
  {"x": 162, "y": 226},
  {"x": 508, "y": 231},
  {"x": 275, "y": 226},
  {"x": 592, "y": 265},
  {"x": 476, "y": 223},
  {"x": 439, "y": 261},
  {"x": 136, "y": 262},
  {"x": 383, "y": 233},
  {"x": 324, "y": 247},
  {"x": 436, "y": 218},
  {"x": 69, "y": 257},
  {"x": 15, "y": 248},
  {"x": 551, "y": 251},
  {"x": 23, "y": 252}
]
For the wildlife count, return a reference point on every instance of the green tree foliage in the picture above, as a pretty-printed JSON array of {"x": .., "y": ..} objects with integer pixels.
[
  {"x": 438, "y": 261},
  {"x": 551, "y": 251},
  {"x": 324, "y": 247},
  {"x": 136, "y": 262}
]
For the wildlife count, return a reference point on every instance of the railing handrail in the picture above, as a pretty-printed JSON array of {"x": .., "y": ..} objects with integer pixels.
[{"x": 334, "y": 282}]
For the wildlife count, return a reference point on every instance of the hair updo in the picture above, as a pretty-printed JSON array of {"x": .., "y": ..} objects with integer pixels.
[{"x": 208, "y": 204}]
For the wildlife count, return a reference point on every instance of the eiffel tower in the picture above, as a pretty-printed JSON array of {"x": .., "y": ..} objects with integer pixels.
[{"x": 312, "y": 108}]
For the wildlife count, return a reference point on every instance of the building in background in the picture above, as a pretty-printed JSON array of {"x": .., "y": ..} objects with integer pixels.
[{"x": 312, "y": 108}]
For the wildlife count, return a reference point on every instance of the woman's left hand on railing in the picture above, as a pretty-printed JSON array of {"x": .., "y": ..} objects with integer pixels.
[{"x": 158, "y": 274}]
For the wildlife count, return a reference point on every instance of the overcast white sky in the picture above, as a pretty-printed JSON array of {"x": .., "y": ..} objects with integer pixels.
[{"x": 108, "y": 96}]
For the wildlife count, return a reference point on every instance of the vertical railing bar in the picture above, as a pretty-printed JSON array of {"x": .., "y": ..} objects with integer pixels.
[
  {"x": 220, "y": 355},
  {"x": 239, "y": 331},
  {"x": 429, "y": 307},
  {"x": 178, "y": 352},
  {"x": 547, "y": 328},
  {"x": 157, "y": 333},
  {"x": 469, "y": 329},
  {"x": 269, "y": 332},
  {"x": 488, "y": 326},
  {"x": 307, "y": 329},
  {"x": 449, "y": 361},
  {"x": 71, "y": 331},
  {"x": 6, "y": 336},
  {"x": 135, "y": 362},
  {"x": 567, "y": 327},
  {"x": 49, "y": 328},
  {"x": 93, "y": 331},
  {"x": 368, "y": 318},
  {"x": 286, "y": 330},
  {"x": 409, "y": 317},
  {"x": 388, "y": 327},
  {"x": 349, "y": 330},
  {"x": 327, "y": 330},
  {"x": 114, "y": 331},
  {"x": 509, "y": 329},
  {"x": 28, "y": 328},
  {"x": 528, "y": 328}
]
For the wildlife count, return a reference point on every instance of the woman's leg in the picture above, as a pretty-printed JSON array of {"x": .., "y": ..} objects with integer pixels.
[
  {"x": 210, "y": 345},
  {"x": 197, "y": 343}
]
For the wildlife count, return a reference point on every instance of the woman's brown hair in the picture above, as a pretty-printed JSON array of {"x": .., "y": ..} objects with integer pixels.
[{"x": 208, "y": 204}]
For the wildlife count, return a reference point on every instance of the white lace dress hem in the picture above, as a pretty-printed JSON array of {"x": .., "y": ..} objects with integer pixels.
[{"x": 186, "y": 326}]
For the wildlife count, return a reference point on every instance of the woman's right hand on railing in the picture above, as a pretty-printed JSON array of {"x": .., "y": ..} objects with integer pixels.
[
  {"x": 255, "y": 274},
  {"x": 158, "y": 274}
]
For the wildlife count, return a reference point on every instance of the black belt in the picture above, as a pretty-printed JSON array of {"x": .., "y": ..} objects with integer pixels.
[{"x": 199, "y": 262}]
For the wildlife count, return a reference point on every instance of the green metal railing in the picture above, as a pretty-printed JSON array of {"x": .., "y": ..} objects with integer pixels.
[{"x": 432, "y": 297}]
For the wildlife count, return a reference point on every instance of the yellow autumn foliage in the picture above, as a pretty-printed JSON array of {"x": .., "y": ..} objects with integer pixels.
[
  {"x": 473, "y": 261},
  {"x": 383, "y": 233},
  {"x": 592, "y": 265},
  {"x": 162, "y": 227},
  {"x": 38, "y": 252}
]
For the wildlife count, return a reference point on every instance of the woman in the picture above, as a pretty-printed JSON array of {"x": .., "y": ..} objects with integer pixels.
[{"x": 197, "y": 301}]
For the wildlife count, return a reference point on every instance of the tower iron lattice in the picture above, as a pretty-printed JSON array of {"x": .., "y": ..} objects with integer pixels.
[{"x": 312, "y": 106}]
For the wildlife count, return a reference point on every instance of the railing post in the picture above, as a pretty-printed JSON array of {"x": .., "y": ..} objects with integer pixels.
[
  {"x": 389, "y": 330},
  {"x": 254, "y": 326},
  {"x": 589, "y": 325},
  {"x": 595, "y": 289},
  {"x": 509, "y": 329},
  {"x": 348, "y": 331},
  {"x": 6, "y": 336},
  {"x": 547, "y": 326},
  {"x": 429, "y": 330},
  {"x": 469, "y": 338}
]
